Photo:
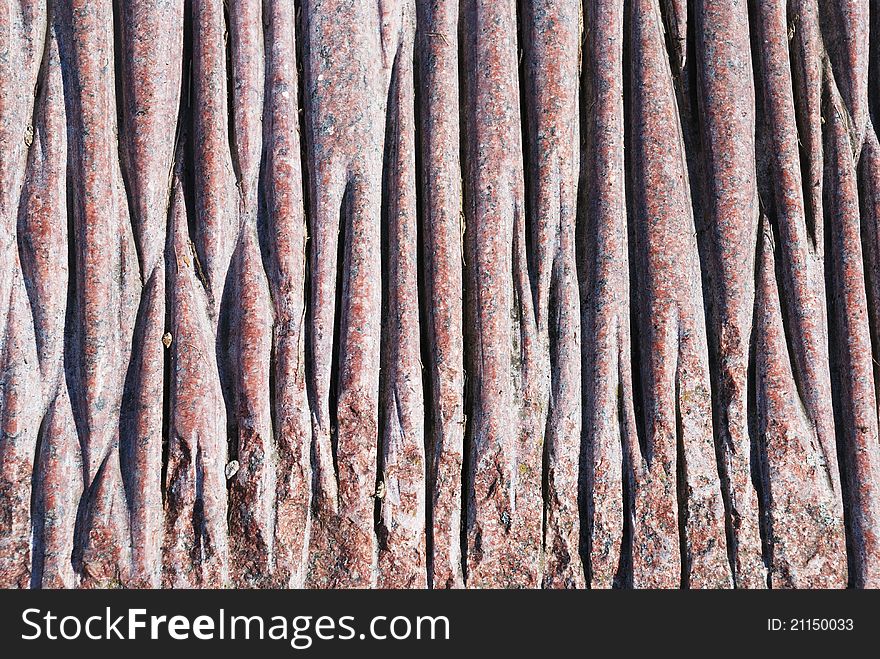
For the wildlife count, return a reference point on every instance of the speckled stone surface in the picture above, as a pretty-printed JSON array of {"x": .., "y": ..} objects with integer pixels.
[
  {"x": 678, "y": 527},
  {"x": 503, "y": 503},
  {"x": 428, "y": 293},
  {"x": 608, "y": 414},
  {"x": 726, "y": 97},
  {"x": 552, "y": 129},
  {"x": 795, "y": 415},
  {"x": 442, "y": 230}
]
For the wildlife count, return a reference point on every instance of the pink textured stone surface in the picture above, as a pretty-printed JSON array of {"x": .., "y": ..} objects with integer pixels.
[{"x": 429, "y": 293}]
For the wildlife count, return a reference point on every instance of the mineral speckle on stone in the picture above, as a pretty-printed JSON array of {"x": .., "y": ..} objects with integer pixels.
[{"x": 439, "y": 293}]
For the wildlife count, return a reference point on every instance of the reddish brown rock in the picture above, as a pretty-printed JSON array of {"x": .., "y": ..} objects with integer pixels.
[
  {"x": 25, "y": 27},
  {"x": 804, "y": 520},
  {"x": 678, "y": 528},
  {"x": 216, "y": 222},
  {"x": 805, "y": 53},
  {"x": 106, "y": 290},
  {"x": 504, "y": 507},
  {"x": 443, "y": 227},
  {"x": 348, "y": 58},
  {"x": 151, "y": 80},
  {"x": 400, "y": 488},
  {"x": 803, "y": 350},
  {"x": 44, "y": 261},
  {"x": 200, "y": 252},
  {"x": 675, "y": 19},
  {"x": 253, "y": 487},
  {"x": 869, "y": 198},
  {"x": 503, "y": 315},
  {"x": 550, "y": 86},
  {"x": 851, "y": 353},
  {"x": 845, "y": 32},
  {"x": 609, "y": 433},
  {"x": 285, "y": 230},
  {"x": 726, "y": 95},
  {"x": 195, "y": 550}
]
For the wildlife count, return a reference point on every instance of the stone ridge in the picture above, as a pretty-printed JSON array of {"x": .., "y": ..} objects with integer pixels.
[{"x": 439, "y": 294}]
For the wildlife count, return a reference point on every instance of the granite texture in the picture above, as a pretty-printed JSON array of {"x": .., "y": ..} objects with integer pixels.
[{"x": 439, "y": 294}]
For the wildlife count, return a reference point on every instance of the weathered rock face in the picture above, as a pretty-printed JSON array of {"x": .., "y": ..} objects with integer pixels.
[{"x": 429, "y": 293}]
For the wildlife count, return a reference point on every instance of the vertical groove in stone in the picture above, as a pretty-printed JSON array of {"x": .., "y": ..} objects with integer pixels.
[
  {"x": 675, "y": 13},
  {"x": 503, "y": 507},
  {"x": 869, "y": 198},
  {"x": 231, "y": 355},
  {"x": 804, "y": 518},
  {"x": 195, "y": 547},
  {"x": 675, "y": 375},
  {"x": 805, "y": 60},
  {"x": 285, "y": 233},
  {"x": 442, "y": 250},
  {"x": 151, "y": 78},
  {"x": 104, "y": 306},
  {"x": 24, "y": 24},
  {"x": 215, "y": 222},
  {"x": 845, "y": 31},
  {"x": 799, "y": 265},
  {"x": 609, "y": 420},
  {"x": 199, "y": 253},
  {"x": 853, "y": 372},
  {"x": 726, "y": 95},
  {"x": 252, "y": 488},
  {"x": 44, "y": 258},
  {"x": 400, "y": 490},
  {"x": 551, "y": 54},
  {"x": 350, "y": 48}
]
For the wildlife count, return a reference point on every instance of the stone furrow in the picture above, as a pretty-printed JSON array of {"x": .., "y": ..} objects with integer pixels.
[
  {"x": 195, "y": 549},
  {"x": 726, "y": 95},
  {"x": 609, "y": 435},
  {"x": 24, "y": 24},
  {"x": 678, "y": 530},
  {"x": 253, "y": 487},
  {"x": 346, "y": 92},
  {"x": 851, "y": 351},
  {"x": 44, "y": 251},
  {"x": 503, "y": 527},
  {"x": 869, "y": 201},
  {"x": 285, "y": 230},
  {"x": 799, "y": 266},
  {"x": 427, "y": 293},
  {"x": 151, "y": 54},
  {"x": 803, "y": 516},
  {"x": 106, "y": 290},
  {"x": 400, "y": 490},
  {"x": 442, "y": 231},
  {"x": 551, "y": 52}
]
